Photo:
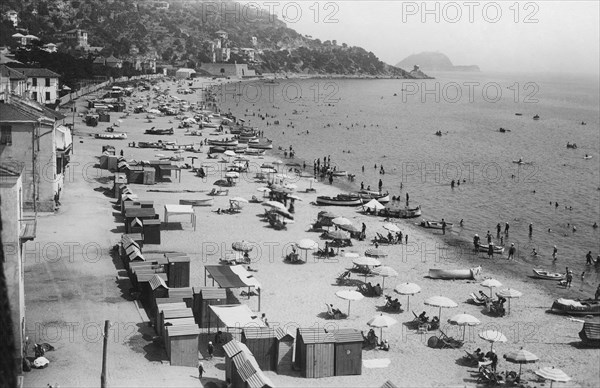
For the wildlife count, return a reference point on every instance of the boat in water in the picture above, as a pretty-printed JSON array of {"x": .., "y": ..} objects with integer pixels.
[
  {"x": 366, "y": 196},
  {"x": 471, "y": 273},
  {"x": 435, "y": 224},
  {"x": 541, "y": 274},
  {"x": 261, "y": 145},
  {"x": 576, "y": 307},
  {"x": 498, "y": 249},
  {"x": 405, "y": 212}
]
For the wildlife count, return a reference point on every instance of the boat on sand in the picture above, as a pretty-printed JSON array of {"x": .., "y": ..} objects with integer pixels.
[
  {"x": 438, "y": 273},
  {"x": 576, "y": 307},
  {"x": 498, "y": 249},
  {"x": 541, "y": 274}
]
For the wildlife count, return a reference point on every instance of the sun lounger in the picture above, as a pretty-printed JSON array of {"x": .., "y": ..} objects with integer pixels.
[{"x": 334, "y": 315}]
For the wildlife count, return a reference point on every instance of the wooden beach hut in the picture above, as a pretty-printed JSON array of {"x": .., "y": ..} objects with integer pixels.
[
  {"x": 170, "y": 314},
  {"x": 182, "y": 344},
  {"x": 348, "y": 352},
  {"x": 262, "y": 342},
  {"x": 159, "y": 290},
  {"x": 285, "y": 351},
  {"x": 178, "y": 270},
  {"x": 315, "y": 353},
  {"x": 590, "y": 333},
  {"x": 143, "y": 283},
  {"x": 162, "y": 305},
  {"x": 241, "y": 368},
  {"x": 204, "y": 297}
]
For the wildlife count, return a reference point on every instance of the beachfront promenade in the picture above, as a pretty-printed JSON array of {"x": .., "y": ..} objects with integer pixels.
[{"x": 69, "y": 296}]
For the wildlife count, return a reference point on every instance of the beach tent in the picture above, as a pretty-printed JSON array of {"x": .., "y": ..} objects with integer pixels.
[{"x": 234, "y": 276}]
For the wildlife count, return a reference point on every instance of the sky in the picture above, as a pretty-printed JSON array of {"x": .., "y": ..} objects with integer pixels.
[{"x": 525, "y": 36}]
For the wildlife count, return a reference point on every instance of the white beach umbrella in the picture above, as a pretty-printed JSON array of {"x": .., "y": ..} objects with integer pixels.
[
  {"x": 521, "y": 357},
  {"x": 307, "y": 244},
  {"x": 381, "y": 321},
  {"x": 384, "y": 271},
  {"x": 229, "y": 153},
  {"x": 239, "y": 199},
  {"x": 391, "y": 227},
  {"x": 375, "y": 252},
  {"x": 441, "y": 302},
  {"x": 274, "y": 204},
  {"x": 491, "y": 283},
  {"x": 553, "y": 374},
  {"x": 492, "y": 336},
  {"x": 408, "y": 289},
  {"x": 349, "y": 295},
  {"x": 341, "y": 221},
  {"x": 509, "y": 293},
  {"x": 464, "y": 320}
]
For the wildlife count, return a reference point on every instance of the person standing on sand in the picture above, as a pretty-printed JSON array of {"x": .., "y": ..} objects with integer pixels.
[
  {"x": 569, "y": 278},
  {"x": 511, "y": 251},
  {"x": 490, "y": 251},
  {"x": 406, "y": 239},
  {"x": 498, "y": 229},
  {"x": 443, "y": 226},
  {"x": 597, "y": 294},
  {"x": 211, "y": 350},
  {"x": 200, "y": 370},
  {"x": 380, "y": 185}
]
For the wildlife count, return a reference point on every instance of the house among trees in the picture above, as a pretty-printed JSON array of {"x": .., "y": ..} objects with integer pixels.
[
  {"x": 77, "y": 38},
  {"x": 12, "y": 16}
]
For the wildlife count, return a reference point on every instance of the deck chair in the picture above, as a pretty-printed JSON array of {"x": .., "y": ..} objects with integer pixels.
[
  {"x": 488, "y": 377},
  {"x": 333, "y": 315},
  {"x": 476, "y": 300},
  {"x": 341, "y": 278},
  {"x": 449, "y": 342}
]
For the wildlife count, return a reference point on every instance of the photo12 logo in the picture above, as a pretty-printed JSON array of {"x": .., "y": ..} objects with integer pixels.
[
  {"x": 469, "y": 11},
  {"x": 292, "y": 92},
  {"x": 469, "y": 91}
]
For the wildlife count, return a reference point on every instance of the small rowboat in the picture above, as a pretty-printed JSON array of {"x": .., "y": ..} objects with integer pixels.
[
  {"x": 114, "y": 136},
  {"x": 366, "y": 196},
  {"x": 435, "y": 224},
  {"x": 159, "y": 131},
  {"x": 339, "y": 200},
  {"x": 541, "y": 274},
  {"x": 261, "y": 145},
  {"x": 400, "y": 212},
  {"x": 223, "y": 142},
  {"x": 197, "y": 202},
  {"x": 576, "y": 307},
  {"x": 339, "y": 173},
  {"x": 471, "y": 273}
]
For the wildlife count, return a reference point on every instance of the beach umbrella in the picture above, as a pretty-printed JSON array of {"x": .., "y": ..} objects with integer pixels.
[
  {"x": 306, "y": 245},
  {"x": 221, "y": 182},
  {"x": 232, "y": 174},
  {"x": 391, "y": 227},
  {"x": 281, "y": 176},
  {"x": 338, "y": 235},
  {"x": 327, "y": 214},
  {"x": 18, "y": 35},
  {"x": 349, "y": 295},
  {"x": 491, "y": 283},
  {"x": 341, "y": 221},
  {"x": 349, "y": 228},
  {"x": 553, "y": 374},
  {"x": 294, "y": 197},
  {"x": 267, "y": 170},
  {"x": 441, "y": 302},
  {"x": 375, "y": 252},
  {"x": 381, "y": 321},
  {"x": 384, "y": 271},
  {"x": 283, "y": 212},
  {"x": 464, "y": 320},
  {"x": 274, "y": 204},
  {"x": 229, "y": 153},
  {"x": 290, "y": 186},
  {"x": 492, "y": 336},
  {"x": 373, "y": 205},
  {"x": 521, "y": 357},
  {"x": 366, "y": 261},
  {"x": 242, "y": 246},
  {"x": 509, "y": 294},
  {"x": 408, "y": 289},
  {"x": 239, "y": 199}
]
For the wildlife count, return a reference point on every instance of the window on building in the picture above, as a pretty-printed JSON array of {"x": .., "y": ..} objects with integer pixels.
[
  {"x": 34, "y": 81},
  {"x": 34, "y": 96},
  {"x": 47, "y": 96},
  {"x": 47, "y": 81},
  {"x": 5, "y": 135}
]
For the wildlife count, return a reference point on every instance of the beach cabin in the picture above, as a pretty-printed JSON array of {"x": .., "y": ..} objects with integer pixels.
[
  {"x": 262, "y": 342},
  {"x": 204, "y": 297},
  {"x": 241, "y": 368},
  {"x": 348, "y": 352},
  {"x": 590, "y": 333},
  {"x": 182, "y": 345},
  {"x": 159, "y": 290},
  {"x": 142, "y": 279},
  {"x": 163, "y": 304},
  {"x": 315, "y": 353},
  {"x": 178, "y": 269},
  {"x": 285, "y": 351},
  {"x": 119, "y": 179},
  {"x": 168, "y": 314}
]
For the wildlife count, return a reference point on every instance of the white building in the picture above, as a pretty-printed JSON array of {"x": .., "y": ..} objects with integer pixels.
[{"x": 42, "y": 84}]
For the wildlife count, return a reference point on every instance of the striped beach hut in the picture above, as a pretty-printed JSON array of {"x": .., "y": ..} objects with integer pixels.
[
  {"x": 285, "y": 351},
  {"x": 241, "y": 369}
]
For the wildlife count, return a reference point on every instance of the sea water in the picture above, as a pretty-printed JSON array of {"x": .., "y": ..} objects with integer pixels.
[{"x": 392, "y": 122}]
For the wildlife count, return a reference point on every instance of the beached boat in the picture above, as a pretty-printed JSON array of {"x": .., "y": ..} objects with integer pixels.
[
  {"x": 576, "y": 307},
  {"x": 471, "y": 273},
  {"x": 261, "y": 145},
  {"x": 197, "y": 202},
  {"x": 223, "y": 143},
  {"x": 339, "y": 173},
  {"x": 405, "y": 212},
  {"x": 541, "y": 274},
  {"x": 177, "y": 147},
  {"x": 155, "y": 131},
  {"x": 113, "y": 136},
  {"x": 366, "y": 196},
  {"x": 497, "y": 249},
  {"x": 520, "y": 161},
  {"x": 339, "y": 200},
  {"x": 435, "y": 224},
  {"x": 254, "y": 152}
]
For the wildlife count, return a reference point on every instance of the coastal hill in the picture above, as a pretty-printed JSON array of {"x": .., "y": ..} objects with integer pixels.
[
  {"x": 433, "y": 61},
  {"x": 180, "y": 33}
]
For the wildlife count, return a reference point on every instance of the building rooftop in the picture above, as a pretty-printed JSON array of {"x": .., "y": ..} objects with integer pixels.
[
  {"x": 38, "y": 72},
  {"x": 11, "y": 73}
]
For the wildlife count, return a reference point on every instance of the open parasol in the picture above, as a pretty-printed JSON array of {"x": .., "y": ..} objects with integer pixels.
[
  {"x": 381, "y": 321},
  {"x": 341, "y": 221},
  {"x": 275, "y": 205},
  {"x": 464, "y": 320},
  {"x": 242, "y": 246},
  {"x": 306, "y": 245},
  {"x": 553, "y": 374},
  {"x": 491, "y": 283},
  {"x": 349, "y": 295},
  {"x": 408, "y": 289},
  {"x": 492, "y": 336},
  {"x": 509, "y": 294},
  {"x": 521, "y": 357},
  {"x": 384, "y": 271},
  {"x": 391, "y": 227},
  {"x": 441, "y": 302}
]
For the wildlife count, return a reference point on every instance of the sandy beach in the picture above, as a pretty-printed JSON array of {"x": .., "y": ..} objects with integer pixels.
[{"x": 82, "y": 287}]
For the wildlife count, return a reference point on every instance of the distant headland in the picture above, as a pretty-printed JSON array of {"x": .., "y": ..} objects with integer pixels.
[{"x": 433, "y": 61}]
